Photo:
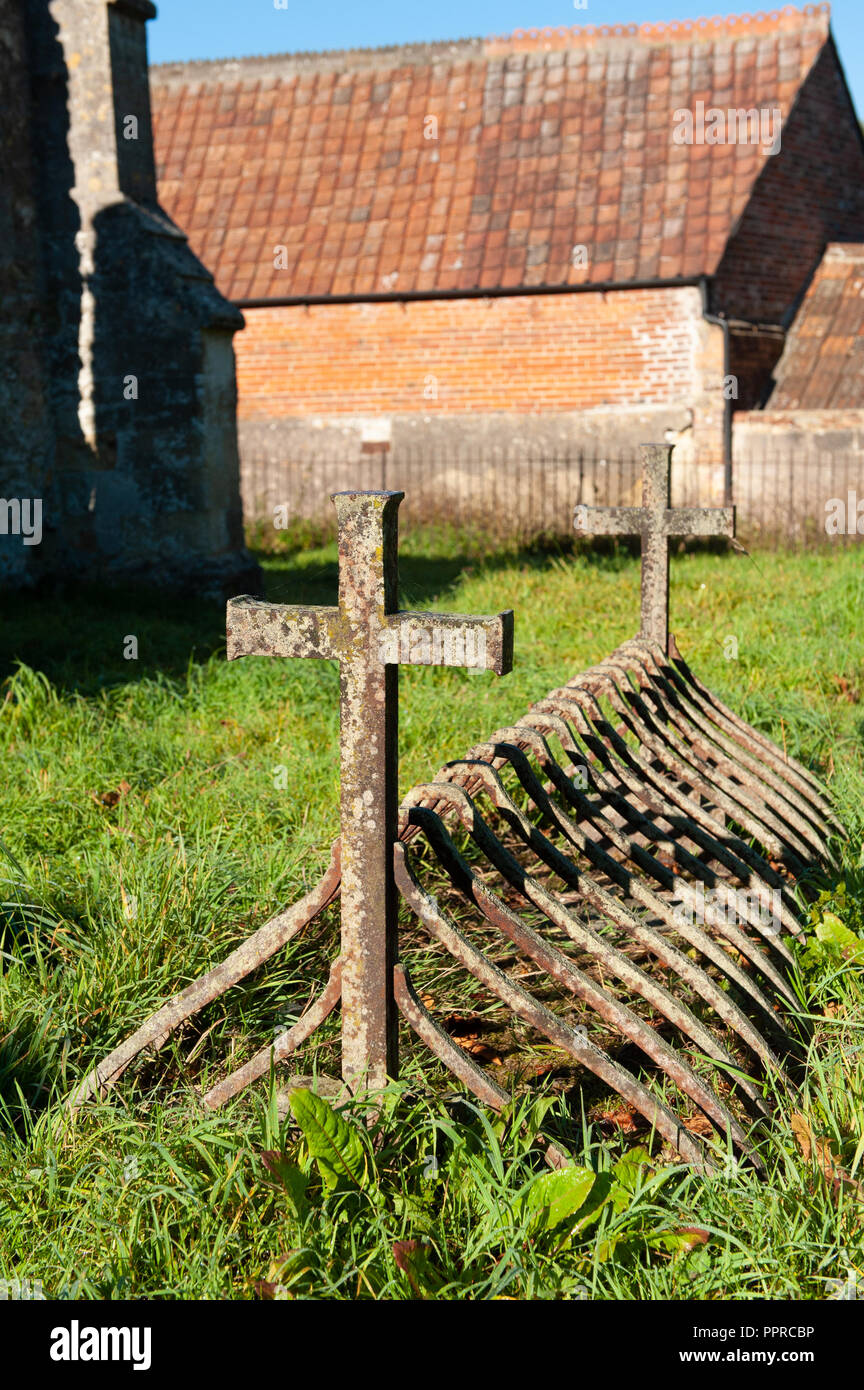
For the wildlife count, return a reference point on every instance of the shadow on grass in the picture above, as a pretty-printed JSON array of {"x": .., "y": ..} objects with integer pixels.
[{"x": 84, "y": 640}]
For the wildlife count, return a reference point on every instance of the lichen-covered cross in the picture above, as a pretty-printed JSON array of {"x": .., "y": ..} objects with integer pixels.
[
  {"x": 370, "y": 638},
  {"x": 655, "y": 521}
]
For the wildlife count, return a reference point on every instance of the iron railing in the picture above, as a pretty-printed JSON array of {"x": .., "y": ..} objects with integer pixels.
[{"x": 781, "y": 498}]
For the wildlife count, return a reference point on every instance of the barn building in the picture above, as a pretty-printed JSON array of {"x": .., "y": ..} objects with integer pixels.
[{"x": 559, "y": 238}]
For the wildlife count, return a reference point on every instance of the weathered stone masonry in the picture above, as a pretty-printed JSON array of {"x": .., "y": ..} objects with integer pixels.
[{"x": 118, "y": 371}]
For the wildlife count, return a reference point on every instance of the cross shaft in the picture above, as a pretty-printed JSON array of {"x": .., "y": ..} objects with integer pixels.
[
  {"x": 370, "y": 638},
  {"x": 655, "y": 522}
]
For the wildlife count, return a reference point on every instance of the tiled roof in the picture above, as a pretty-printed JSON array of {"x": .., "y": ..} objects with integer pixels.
[
  {"x": 547, "y": 141},
  {"x": 822, "y": 366}
]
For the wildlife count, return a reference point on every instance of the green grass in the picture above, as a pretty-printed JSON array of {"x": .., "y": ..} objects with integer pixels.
[{"x": 145, "y": 833}]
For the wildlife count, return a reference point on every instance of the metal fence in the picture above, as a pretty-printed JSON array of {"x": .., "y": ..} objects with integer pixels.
[{"x": 781, "y": 499}]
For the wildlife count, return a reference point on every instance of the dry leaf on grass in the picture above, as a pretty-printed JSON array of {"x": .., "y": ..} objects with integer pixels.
[
  {"x": 846, "y": 692},
  {"x": 466, "y": 1032},
  {"x": 622, "y": 1118},
  {"x": 692, "y": 1236},
  {"x": 819, "y": 1151},
  {"x": 700, "y": 1124},
  {"x": 112, "y": 797}
]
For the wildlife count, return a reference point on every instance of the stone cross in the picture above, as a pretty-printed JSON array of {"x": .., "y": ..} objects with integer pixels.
[
  {"x": 655, "y": 521},
  {"x": 370, "y": 638}
]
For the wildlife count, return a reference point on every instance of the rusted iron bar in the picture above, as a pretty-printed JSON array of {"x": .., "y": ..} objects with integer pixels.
[
  {"x": 286, "y": 1043},
  {"x": 441, "y": 926},
  {"x": 657, "y": 763},
  {"x": 618, "y": 797},
  {"x": 370, "y": 638},
  {"x": 633, "y": 781},
  {"x": 259, "y": 947},
  {"x": 455, "y": 1058},
  {"x": 712, "y": 742},
  {"x": 509, "y": 746},
  {"x": 614, "y": 961},
  {"x": 793, "y": 772},
  {"x": 655, "y": 522},
  {"x": 685, "y": 761},
  {"x": 484, "y": 774}
]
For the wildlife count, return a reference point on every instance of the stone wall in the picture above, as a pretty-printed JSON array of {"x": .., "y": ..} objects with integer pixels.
[
  {"x": 788, "y": 465},
  {"x": 116, "y": 345},
  {"x": 26, "y": 444}
]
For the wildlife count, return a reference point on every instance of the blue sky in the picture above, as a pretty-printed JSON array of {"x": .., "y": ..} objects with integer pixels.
[{"x": 236, "y": 28}]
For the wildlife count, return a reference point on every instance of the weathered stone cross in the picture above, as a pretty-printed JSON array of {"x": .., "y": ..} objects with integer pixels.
[
  {"x": 369, "y": 637},
  {"x": 655, "y": 521}
]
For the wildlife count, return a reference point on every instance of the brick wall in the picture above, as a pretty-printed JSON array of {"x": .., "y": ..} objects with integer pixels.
[
  {"x": 809, "y": 193},
  {"x": 561, "y": 352},
  {"x": 623, "y": 355},
  {"x": 753, "y": 355}
]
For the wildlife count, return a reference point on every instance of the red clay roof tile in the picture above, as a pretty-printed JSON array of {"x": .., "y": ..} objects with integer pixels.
[
  {"x": 822, "y": 366},
  {"x": 568, "y": 130}
]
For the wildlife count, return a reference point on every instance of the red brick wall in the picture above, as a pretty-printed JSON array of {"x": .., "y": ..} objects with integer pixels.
[
  {"x": 523, "y": 354},
  {"x": 810, "y": 192},
  {"x": 752, "y": 358}
]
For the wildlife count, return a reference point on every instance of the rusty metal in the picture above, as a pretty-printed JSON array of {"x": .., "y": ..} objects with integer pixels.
[
  {"x": 656, "y": 521},
  {"x": 715, "y": 744},
  {"x": 286, "y": 1043},
  {"x": 592, "y": 832},
  {"x": 257, "y": 948},
  {"x": 793, "y": 773},
  {"x": 369, "y": 638},
  {"x": 628, "y": 900},
  {"x": 569, "y": 1039},
  {"x": 620, "y": 795},
  {"x": 676, "y": 797}
]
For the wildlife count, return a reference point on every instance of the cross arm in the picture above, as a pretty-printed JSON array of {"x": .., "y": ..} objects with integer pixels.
[
  {"x": 608, "y": 521},
  {"x": 449, "y": 639},
  {"x": 257, "y": 628},
  {"x": 700, "y": 521}
]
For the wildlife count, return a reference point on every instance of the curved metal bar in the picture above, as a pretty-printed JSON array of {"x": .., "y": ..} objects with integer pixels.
[
  {"x": 520, "y": 738},
  {"x": 714, "y": 748},
  {"x": 619, "y": 791},
  {"x": 454, "y": 1057},
  {"x": 544, "y": 1020},
  {"x": 284, "y": 1045},
  {"x": 257, "y": 948},
  {"x": 628, "y": 881},
  {"x": 685, "y": 764},
  {"x": 787, "y": 800},
  {"x": 616, "y": 962},
  {"x": 565, "y": 699},
  {"x": 781, "y": 761}
]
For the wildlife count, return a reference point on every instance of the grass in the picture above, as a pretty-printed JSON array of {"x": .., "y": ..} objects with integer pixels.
[{"x": 154, "y": 811}]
